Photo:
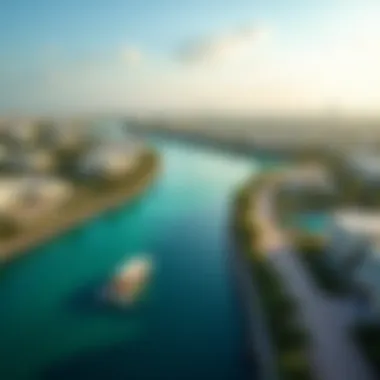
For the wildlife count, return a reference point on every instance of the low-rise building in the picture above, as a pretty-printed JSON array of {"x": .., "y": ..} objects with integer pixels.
[
  {"x": 59, "y": 135},
  {"x": 364, "y": 166},
  {"x": 109, "y": 161},
  {"x": 360, "y": 178},
  {"x": 306, "y": 187},
  {"x": 25, "y": 199},
  {"x": 353, "y": 249},
  {"x": 29, "y": 162}
]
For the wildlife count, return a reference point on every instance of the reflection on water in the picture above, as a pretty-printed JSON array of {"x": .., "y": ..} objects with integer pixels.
[{"x": 88, "y": 300}]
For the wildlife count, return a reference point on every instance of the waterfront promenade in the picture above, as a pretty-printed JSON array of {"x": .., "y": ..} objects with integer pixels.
[
  {"x": 333, "y": 353},
  {"x": 259, "y": 346}
]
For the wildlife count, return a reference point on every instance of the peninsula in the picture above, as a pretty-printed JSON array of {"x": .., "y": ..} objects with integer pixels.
[{"x": 85, "y": 176}]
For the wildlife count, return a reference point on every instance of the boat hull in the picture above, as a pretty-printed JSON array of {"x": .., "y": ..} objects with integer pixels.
[{"x": 129, "y": 283}]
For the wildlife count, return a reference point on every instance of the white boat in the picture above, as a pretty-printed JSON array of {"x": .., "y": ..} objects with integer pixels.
[{"x": 129, "y": 281}]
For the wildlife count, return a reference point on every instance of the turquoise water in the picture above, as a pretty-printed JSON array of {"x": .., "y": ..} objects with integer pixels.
[
  {"x": 187, "y": 326},
  {"x": 313, "y": 222}
]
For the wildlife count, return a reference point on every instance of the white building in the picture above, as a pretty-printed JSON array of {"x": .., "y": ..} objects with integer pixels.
[
  {"x": 307, "y": 177},
  {"x": 306, "y": 187},
  {"x": 38, "y": 161},
  {"x": 60, "y": 134},
  {"x": 110, "y": 160},
  {"x": 354, "y": 251},
  {"x": 28, "y": 198},
  {"x": 365, "y": 167}
]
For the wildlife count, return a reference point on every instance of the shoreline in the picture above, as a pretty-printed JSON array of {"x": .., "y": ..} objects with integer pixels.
[
  {"x": 280, "y": 338},
  {"x": 258, "y": 347},
  {"x": 80, "y": 209}
]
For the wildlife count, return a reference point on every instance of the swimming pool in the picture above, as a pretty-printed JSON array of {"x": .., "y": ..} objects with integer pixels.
[{"x": 311, "y": 222}]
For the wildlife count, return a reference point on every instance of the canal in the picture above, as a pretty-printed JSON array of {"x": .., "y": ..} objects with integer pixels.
[{"x": 189, "y": 323}]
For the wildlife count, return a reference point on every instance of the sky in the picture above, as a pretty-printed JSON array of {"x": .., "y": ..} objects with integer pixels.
[{"x": 241, "y": 56}]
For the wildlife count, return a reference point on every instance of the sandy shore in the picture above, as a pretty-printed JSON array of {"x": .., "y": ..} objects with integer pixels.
[{"x": 84, "y": 205}]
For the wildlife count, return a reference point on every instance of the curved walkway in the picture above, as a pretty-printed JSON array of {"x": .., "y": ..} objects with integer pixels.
[
  {"x": 333, "y": 354},
  {"x": 259, "y": 345}
]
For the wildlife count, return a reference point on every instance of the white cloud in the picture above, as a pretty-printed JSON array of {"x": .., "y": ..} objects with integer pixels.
[
  {"x": 131, "y": 56},
  {"x": 231, "y": 46}
]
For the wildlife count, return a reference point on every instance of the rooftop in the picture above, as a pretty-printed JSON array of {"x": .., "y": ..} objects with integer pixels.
[
  {"x": 366, "y": 163},
  {"x": 358, "y": 221},
  {"x": 311, "y": 175}
]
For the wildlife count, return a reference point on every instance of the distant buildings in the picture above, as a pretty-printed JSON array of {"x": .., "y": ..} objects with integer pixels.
[
  {"x": 33, "y": 154},
  {"x": 109, "y": 161},
  {"x": 93, "y": 148},
  {"x": 52, "y": 134}
]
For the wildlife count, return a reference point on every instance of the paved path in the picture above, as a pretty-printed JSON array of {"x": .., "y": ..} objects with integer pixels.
[
  {"x": 333, "y": 352},
  {"x": 257, "y": 339},
  {"x": 334, "y": 356}
]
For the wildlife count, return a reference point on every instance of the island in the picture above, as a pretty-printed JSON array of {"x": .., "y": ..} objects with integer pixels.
[{"x": 55, "y": 176}]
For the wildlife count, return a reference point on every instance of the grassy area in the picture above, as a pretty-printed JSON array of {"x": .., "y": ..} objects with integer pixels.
[
  {"x": 311, "y": 251},
  {"x": 289, "y": 338},
  {"x": 367, "y": 337}
]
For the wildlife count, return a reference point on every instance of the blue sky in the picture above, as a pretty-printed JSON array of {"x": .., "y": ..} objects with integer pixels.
[{"x": 239, "y": 56}]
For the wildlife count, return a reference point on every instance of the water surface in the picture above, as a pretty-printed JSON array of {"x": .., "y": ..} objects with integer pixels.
[{"x": 188, "y": 324}]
